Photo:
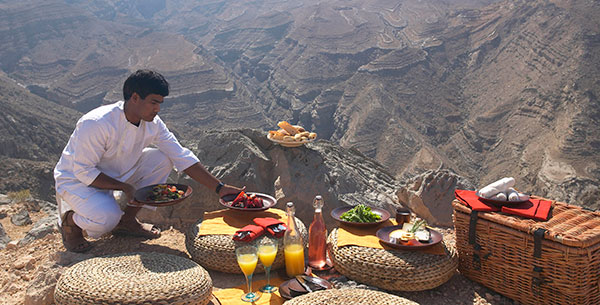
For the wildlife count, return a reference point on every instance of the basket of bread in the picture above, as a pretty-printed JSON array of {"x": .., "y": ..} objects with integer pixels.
[{"x": 291, "y": 135}]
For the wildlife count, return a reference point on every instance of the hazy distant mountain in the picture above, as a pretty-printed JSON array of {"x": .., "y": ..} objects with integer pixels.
[{"x": 485, "y": 88}]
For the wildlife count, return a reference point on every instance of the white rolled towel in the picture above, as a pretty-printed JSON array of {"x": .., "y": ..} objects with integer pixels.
[
  {"x": 499, "y": 196},
  {"x": 500, "y": 186},
  {"x": 513, "y": 195}
]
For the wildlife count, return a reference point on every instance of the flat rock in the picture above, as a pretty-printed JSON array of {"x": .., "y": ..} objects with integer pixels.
[
  {"x": 41, "y": 228},
  {"x": 21, "y": 218}
]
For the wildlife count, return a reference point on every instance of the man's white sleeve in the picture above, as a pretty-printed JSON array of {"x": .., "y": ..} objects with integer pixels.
[
  {"x": 166, "y": 142},
  {"x": 87, "y": 147}
]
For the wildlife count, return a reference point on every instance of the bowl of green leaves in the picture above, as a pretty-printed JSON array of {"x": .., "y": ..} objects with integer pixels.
[{"x": 360, "y": 215}]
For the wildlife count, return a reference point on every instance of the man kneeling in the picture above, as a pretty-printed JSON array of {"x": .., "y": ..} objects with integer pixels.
[{"x": 109, "y": 150}]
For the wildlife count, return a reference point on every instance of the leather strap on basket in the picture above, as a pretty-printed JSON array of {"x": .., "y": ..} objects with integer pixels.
[
  {"x": 536, "y": 277},
  {"x": 538, "y": 236},
  {"x": 473, "y": 239}
]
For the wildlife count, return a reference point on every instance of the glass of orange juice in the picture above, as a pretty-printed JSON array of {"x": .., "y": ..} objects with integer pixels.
[
  {"x": 267, "y": 251},
  {"x": 247, "y": 257}
]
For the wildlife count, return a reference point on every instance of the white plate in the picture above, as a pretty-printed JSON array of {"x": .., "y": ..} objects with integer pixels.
[{"x": 289, "y": 143}]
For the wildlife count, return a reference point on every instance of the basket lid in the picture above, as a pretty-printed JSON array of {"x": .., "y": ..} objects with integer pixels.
[{"x": 568, "y": 224}]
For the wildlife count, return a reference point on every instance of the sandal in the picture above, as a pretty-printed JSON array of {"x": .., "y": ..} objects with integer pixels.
[
  {"x": 145, "y": 230},
  {"x": 73, "y": 244}
]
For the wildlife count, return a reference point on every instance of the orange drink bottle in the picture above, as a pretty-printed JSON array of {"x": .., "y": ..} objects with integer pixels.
[
  {"x": 293, "y": 245},
  {"x": 317, "y": 238}
]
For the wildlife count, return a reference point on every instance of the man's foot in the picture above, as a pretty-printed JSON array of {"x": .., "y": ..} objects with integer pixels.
[
  {"x": 72, "y": 235},
  {"x": 136, "y": 229}
]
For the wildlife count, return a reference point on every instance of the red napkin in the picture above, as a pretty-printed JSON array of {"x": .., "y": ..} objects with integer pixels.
[
  {"x": 534, "y": 208},
  {"x": 274, "y": 226},
  {"x": 248, "y": 233},
  {"x": 471, "y": 200}
]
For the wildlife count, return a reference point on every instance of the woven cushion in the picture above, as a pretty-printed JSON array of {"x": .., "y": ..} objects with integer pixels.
[
  {"x": 134, "y": 278},
  {"x": 217, "y": 252},
  {"x": 353, "y": 296},
  {"x": 395, "y": 270}
]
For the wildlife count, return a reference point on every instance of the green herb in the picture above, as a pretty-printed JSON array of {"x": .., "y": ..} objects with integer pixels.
[
  {"x": 360, "y": 213},
  {"x": 419, "y": 223}
]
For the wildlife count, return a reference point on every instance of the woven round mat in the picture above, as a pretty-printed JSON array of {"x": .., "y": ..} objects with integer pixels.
[
  {"x": 134, "y": 278},
  {"x": 394, "y": 270},
  {"x": 217, "y": 252},
  {"x": 349, "y": 296}
]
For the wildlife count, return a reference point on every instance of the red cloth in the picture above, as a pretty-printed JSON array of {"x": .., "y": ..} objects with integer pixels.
[
  {"x": 471, "y": 200},
  {"x": 254, "y": 232},
  {"x": 268, "y": 223},
  {"x": 534, "y": 208}
]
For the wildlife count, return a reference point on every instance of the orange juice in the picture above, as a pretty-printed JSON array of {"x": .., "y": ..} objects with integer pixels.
[
  {"x": 294, "y": 259},
  {"x": 267, "y": 254},
  {"x": 247, "y": 262}
]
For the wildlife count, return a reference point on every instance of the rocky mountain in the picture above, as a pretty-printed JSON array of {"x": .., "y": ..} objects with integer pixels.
[
  {"x": 33, "y": 133},
  {"x": 485, "y": 89}
]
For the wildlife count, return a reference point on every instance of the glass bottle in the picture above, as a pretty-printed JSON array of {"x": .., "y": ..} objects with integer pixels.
[
  {"x": 317, "y": 238},
  {"x": 293, "y": 245}
]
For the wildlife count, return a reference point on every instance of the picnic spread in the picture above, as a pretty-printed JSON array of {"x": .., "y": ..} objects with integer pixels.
[{"x": 531, "y": 249}]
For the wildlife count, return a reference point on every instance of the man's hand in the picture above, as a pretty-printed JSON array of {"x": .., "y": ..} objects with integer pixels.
[
  {"x": 228, "y": 189},
  {"x": 105, "y": 182},
  {"x": 200, "y": 174},
  {"x": 129, "y": 192}
]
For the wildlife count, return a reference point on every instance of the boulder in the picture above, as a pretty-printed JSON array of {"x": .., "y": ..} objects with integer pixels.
[
  {"x": 21, "y": 218},
  {"x": 41, "y": 228},
  {"x": 36, "y": 205},
  {"x": 430, "y": 195},
  {"x": 41, "y": 289},
  {"x": 4, "y": 239},
  {"x": 246, "y": 157},
  {"x": 4, "y": 199}
]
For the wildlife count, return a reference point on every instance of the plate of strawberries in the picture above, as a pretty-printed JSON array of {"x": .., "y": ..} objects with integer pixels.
[{"x": 249, "y": 202}]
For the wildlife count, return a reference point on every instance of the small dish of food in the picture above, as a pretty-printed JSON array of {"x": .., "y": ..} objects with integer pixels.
[
  {"x": 360, "y": 215},
  {"x": 163, "y": 194},
  {"x": 249, "y": 202}
]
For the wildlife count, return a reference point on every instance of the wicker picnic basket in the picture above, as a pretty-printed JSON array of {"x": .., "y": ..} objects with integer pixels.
[
  {"x": 349, "y": 296},
  {"x": 395, "y": 270},
  {"x": 533, "y": 262},
  {"x": 217, "y": 251},
  {"x": 134, "y": 278}
]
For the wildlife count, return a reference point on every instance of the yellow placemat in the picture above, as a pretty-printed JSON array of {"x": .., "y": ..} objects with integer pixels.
[
  {"x": 233, "y": 295},
  {"x": 365, "y": 237},
  {"x": 228, "y": 221}
]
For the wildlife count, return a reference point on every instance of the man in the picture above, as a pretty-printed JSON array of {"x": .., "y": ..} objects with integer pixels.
[{"x": 109, "y": 150}]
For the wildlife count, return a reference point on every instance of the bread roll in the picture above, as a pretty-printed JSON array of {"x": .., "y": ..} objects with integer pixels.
[
  {"x": 276, "y": 135},
  {"x": 288, "y": 127}
]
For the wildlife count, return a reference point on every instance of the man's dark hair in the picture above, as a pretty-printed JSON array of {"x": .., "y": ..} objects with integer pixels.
[{"x": 145, "y": 82}]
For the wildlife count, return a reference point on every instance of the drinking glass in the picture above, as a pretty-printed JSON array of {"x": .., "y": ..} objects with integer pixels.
[
  {"x": 247, "y": 257},
  {"x": 267, "y": 251}
]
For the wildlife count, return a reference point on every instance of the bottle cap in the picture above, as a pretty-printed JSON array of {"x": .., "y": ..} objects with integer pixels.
[
  {"x": 290, "y": 204},
  {"x": 318, "y": 197}
]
